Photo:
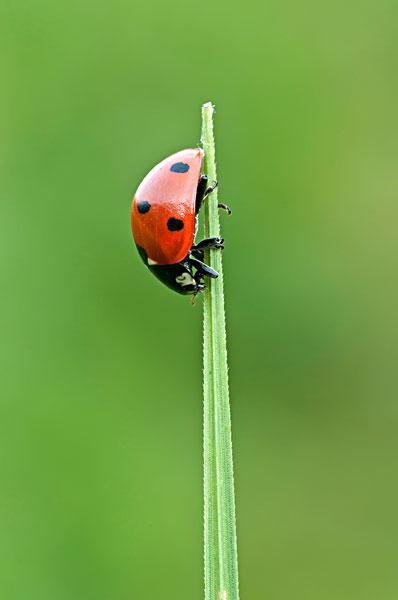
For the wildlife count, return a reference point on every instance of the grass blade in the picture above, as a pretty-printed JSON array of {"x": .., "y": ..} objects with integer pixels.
[{"x": 220, "y": 548}]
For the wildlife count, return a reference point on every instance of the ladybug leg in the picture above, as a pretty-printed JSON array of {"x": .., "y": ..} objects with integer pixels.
[
  {"x": 200, "y": 254},
  {"x": 211, "y": 188},
  {"x": 213, "y": 242},
  {"x": 198, "y": 251},
  {"x": 202, "y": 269},
  {"x": 203, "y": 190},
  {"x": 225, "y": 207}
]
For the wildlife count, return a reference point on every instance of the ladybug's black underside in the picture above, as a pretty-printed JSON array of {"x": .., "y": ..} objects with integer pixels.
[{"x": 187, "y": 276}]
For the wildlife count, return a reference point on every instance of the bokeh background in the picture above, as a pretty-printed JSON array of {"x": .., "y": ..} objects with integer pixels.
[{"x": 100, "y": 383}]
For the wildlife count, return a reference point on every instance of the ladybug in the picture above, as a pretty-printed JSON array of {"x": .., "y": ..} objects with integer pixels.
[{"x": 164, "y": 222}]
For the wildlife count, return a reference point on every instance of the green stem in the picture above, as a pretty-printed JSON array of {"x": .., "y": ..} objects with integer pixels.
[{"x": 221, "y": 561}]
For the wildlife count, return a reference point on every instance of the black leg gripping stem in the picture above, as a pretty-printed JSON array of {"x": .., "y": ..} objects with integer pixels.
[
  {"x": 202, "y": 268},
  {"x": 213, "y": 242}
]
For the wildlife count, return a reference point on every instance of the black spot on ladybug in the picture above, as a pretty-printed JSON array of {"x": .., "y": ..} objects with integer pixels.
[
  {"x": 175, "y": 224},
  {"x": 179, "y": 167},
  {"x": 143, "y": 207}
]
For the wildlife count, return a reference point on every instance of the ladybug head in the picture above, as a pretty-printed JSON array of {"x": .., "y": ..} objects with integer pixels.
[
  {"x": 187, "y": 283},
  {"x": 178, "y": 277}
]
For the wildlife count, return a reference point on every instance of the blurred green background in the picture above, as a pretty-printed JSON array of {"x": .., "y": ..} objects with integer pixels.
[{"x": 101, "y": 404}]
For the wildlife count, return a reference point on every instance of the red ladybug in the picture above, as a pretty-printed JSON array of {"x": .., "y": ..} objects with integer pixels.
[{"x": 164, "y": 221}]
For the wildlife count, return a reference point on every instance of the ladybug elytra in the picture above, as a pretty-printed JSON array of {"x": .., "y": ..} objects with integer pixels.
[{"x": 164, "y": 222}]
